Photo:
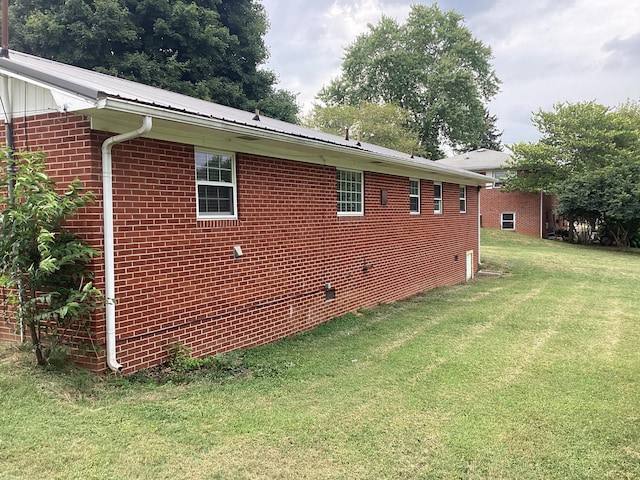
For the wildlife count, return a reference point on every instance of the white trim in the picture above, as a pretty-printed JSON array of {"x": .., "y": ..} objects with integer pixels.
[
  {"x": 360, "y": 212},
  {"x": 502, "y": 214},
  {"x": 233, "y": 185},
  {"x": 428, "y": 169},
  {"x": 463, "y": 188},
  {"x": 439, "y": 210},
  {"x": 414, "y": 212},
  {"x": 493, "y": 174}
]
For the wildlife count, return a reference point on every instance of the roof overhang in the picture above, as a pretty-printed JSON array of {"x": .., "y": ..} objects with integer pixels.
[
  {"x": 118, "y": 115},
  {"x": 112, "y": 107}
]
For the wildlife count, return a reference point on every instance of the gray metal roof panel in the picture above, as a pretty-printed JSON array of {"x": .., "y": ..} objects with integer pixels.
[
  {"x": 94, "y": 86},
  {"x": 478, "y": 160}
]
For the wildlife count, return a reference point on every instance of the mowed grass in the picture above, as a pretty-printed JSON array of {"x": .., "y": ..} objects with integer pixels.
[{"x": 532, "y": 375}]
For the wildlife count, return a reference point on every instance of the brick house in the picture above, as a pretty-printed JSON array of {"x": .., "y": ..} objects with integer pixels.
[
  {"x": 222, "y": 229},
  {"x": 530, "y": 214}
]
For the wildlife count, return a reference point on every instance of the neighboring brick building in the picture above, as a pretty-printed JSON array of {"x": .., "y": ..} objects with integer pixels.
[
  {"x": 224, "y": 230},
  {"x": 530, "y": 214}
]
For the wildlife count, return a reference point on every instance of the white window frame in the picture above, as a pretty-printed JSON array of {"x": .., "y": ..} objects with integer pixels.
[
  {"x": 437, "y": 200},
  {"x": 463, "y": 199},
  {"x": 502, "y": 220},
  {"x": 497, "y": 175},
  {"x": 217, "y": 183},
  {"x": 343, "y": 197},
  {"x": 414, "y": 193}
]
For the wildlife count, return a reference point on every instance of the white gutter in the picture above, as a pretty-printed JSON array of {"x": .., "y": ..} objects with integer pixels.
[
  {"x": 266, "y": 132},
  {"x": 109, "y": 263}
]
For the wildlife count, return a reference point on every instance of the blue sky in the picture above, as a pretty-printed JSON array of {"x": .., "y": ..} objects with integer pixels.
[{"x": 545, "y": 51}]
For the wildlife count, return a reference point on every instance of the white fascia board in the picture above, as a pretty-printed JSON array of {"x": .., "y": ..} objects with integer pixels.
[{"x": 449, "y": 174}]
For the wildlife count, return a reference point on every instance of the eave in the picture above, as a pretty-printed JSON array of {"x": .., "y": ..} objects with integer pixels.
[{"x": 117, "y": 116}]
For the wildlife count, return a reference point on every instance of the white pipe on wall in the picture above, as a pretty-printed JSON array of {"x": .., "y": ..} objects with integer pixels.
[
  {"x": 541, "y": 213},
  {"x": 479, "y": 225},
  {"x": 109, "y": 261}
]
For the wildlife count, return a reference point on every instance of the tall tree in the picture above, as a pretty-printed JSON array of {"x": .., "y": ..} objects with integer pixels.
[
  {"x": 385, "y": 125},
  {"x": 489, "y": 138},
  {"x": 431, "y": 66},
  {"x": 211, "y": 49}
]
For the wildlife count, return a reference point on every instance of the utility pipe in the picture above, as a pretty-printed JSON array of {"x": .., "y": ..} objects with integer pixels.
[
  {"x": 479, "y": 224},
  {"x": 541, "y": 213},
  {"x": 7, "y": 106},
  {"x": 4, "y": 50},
  {"x": 109, "y": 262}
]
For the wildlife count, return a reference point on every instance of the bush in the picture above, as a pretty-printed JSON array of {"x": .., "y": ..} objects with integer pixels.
[{"x": 43, "y": 266}]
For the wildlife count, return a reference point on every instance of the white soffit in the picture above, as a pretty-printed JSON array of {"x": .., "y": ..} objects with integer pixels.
[{"x": 67, "y": 102}]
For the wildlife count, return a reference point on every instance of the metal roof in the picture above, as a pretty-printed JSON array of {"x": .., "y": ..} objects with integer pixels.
[
  {"x": 479, "y": 160},
  {"x": 95, "y": 87}
]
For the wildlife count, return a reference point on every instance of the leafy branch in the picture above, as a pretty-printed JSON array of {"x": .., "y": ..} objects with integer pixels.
[{"x": 44, "y": 268}]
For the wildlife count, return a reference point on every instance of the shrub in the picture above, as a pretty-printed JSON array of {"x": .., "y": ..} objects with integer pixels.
[{"x": 47, "y": 285}]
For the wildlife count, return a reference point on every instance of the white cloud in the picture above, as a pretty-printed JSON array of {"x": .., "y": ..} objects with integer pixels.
[
  {"x": 552, "y": 52},
  {"x": 307, "y": 40},
  {"x": 545, "y": 51}
]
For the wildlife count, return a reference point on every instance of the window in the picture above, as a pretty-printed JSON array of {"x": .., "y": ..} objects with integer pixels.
[
  {"x": 508, "y": 221},
  {"x": 216, "y": 185},
  {"x": 437, "y": 197},
  {"x": 414, "y": 195},
  {"x": 350, "y": 190},
  {"x": 498, "y": 176},
  {"x": 463, "y": 199}
]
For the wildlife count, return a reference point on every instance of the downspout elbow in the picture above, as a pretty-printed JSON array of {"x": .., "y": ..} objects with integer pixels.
[{"x": 109, "y": 255}]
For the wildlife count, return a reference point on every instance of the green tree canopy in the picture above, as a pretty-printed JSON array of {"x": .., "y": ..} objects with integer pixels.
[
  {"x": 576, "y": 138},
  {"x": 589, "y": 156},
  {"x": 210, "y": 49},
  {"x": 431, "y": 66},
  {"x": 610, "y": 194},
  {"x": 385, "y": 125}
]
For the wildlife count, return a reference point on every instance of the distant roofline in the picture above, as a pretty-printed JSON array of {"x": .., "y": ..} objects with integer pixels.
[{"x": 481, "y": 159}]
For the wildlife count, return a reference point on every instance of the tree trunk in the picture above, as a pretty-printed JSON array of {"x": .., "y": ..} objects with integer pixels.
[
  {"x": 35, "y": 339},
  {"x": 34, "y": 328},
  {"x": 622, "y": 239},
  {"x": 572, "y": 232}
]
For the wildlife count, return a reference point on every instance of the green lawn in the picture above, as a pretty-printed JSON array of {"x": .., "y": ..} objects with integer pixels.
[{"x": 535, "y": 374}]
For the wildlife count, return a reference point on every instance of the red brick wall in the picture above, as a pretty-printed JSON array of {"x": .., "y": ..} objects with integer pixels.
[
  {"x": 176, "y": 276},
  {"x": 71, "y": 153},
  {"x": 494, "y": 201}
]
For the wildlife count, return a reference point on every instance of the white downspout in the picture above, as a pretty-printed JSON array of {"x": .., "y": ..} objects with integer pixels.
[
  {"x": 107, "y": 208},
  {"x": 479, "y": 226},
  {"x": 541, "y": 219}
]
